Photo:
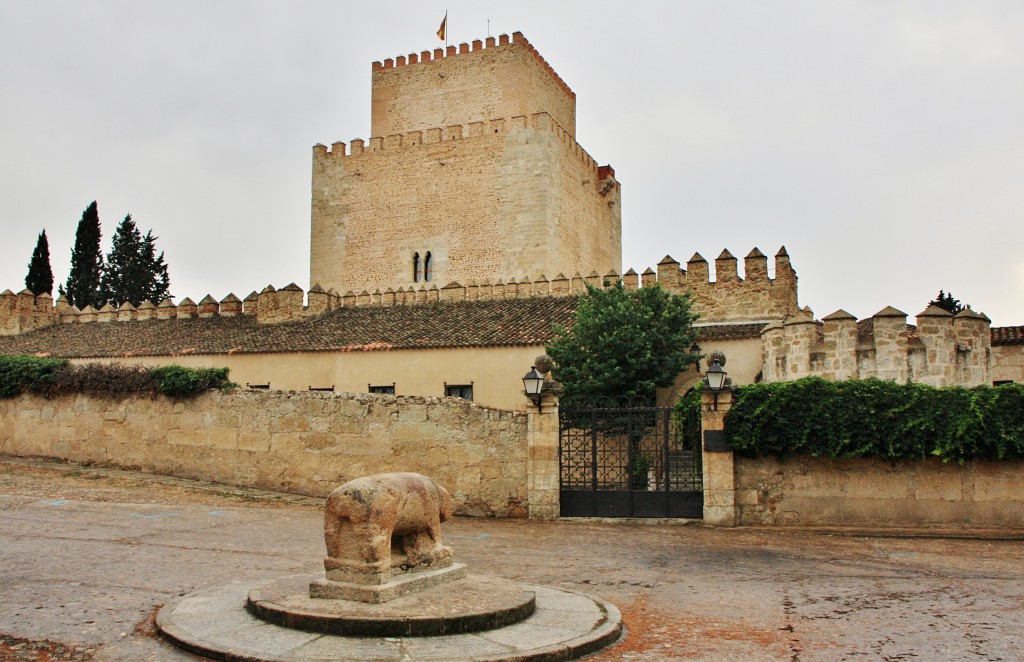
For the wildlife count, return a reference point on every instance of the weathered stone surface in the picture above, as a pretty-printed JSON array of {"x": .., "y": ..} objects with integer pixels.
[
  {"x": 564, "y": 626},
  {"x": 471, "y": 604},
  {"x": 305, "y": 443},
  {"x": 879, "y": 493},
  {"x": 398, "y": 587},
  {"x": 378, "y": 527}
]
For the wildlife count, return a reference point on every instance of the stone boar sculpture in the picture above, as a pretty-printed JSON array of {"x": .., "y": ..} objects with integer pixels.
[{"x": 384, "y": 525}]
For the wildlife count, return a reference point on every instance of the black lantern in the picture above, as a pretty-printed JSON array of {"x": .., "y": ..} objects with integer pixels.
[
  {"x": 716, "y": 379},
  {"x": 716, "y": 376},
  {"x": 533, "y": 384}
]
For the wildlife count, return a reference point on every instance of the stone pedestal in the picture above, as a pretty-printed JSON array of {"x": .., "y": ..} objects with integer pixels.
[{"x": 329, "y": 589}]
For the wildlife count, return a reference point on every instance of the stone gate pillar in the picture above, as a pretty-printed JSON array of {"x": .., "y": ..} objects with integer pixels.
[
  {"x": 719, "y": 471},
  {"x": 542, "y": 458}
]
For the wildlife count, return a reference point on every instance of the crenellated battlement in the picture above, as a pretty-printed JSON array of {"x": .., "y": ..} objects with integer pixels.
[
  {"x": 730, "y": 297},
  {"x": 25, "y": 311},
  {"x": 756, "y": 298},
  {"x": 941, "y": 350},
  {"x": 359, "y": 147},
  {"x": 475, "y": 47}
]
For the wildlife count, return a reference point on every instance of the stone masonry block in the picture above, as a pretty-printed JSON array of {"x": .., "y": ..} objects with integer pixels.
[
  {"x": 186, "y": 438},
  {"x": 939, "y": 483},
  {"x": 413, "y": 413},
  {"x": 224, "y": 438}
]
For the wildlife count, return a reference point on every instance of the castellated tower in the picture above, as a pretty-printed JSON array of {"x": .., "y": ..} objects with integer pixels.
[{"x": 473, "y": 174}]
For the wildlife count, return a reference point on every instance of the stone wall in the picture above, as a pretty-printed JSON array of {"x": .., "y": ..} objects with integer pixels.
[
  {"x": 306, "y": 443},
  {"x": 877, "y": 493}
]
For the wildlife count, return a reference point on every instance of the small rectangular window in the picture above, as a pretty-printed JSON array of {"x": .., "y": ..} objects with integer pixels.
[
  {"x": 387, "y": 389},
  {"x": 464, "y": 391}
]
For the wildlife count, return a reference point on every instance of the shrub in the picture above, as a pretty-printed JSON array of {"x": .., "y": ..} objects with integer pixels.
[
  {"x": 876, "y": 418},
  {"x": 18, "y": 373},
  {"x": 53, "y": 377},
  {"x": 98, "y": 379},
  {"x": 178, "y": 382}
]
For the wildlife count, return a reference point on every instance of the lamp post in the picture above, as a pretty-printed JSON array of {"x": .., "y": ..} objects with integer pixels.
[
  {"x": 716, "y": 379},
  {"x": 533, "y": 384}
]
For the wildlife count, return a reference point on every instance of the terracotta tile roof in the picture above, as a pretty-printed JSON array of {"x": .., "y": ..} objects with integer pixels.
[
  {"x": 729, "y": 331},
  {"x": 1008, "y": 335},
  {"x": 486, "y": 323},
  {"x": 493, "y": 323}
]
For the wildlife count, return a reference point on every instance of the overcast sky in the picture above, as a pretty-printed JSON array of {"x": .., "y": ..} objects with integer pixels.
[{"x": 881, "y": 142}]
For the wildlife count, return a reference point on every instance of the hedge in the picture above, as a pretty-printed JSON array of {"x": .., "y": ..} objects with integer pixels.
[
  {"x": 52, "y": 377},
  {"x": 876, "y": 418}
]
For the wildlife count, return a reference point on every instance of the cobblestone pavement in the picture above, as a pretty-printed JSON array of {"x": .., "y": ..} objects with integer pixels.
[{"x": 88, "y": 555}]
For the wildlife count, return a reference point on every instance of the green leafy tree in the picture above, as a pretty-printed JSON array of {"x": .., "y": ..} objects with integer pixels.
[
  {"x": 83, "y": 286},
  {"x": 133, "y": 272},
  {"x": 624, "y": 343},
  {"x": 40, "y": 276},
  {"x": 948, "y": 302}
]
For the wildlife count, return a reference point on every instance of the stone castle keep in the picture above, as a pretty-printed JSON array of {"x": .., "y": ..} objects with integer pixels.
[
  {"x": 475, "y": 173},
  {"x": 444, "y": 247}
]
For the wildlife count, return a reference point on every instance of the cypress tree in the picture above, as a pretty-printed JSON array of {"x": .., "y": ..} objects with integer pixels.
[
  {"x": 83, "y": 286},
  {"x": 159, "y": 279},
  {"x": 947, "y": 302},
  {"x": 40, "y": 276},
  {"x": 133, "y": 272}
]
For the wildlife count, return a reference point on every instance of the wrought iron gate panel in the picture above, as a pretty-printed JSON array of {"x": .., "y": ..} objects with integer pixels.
[{"x": 627, "y": 462}]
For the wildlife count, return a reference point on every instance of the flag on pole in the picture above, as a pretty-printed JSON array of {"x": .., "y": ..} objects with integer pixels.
[{"x": 441, "y": 31}]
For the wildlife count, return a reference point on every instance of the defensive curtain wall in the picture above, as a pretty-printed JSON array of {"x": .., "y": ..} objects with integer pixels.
[
  {"x": 753, "y": 298},
  {"x": 419, "y": 339},
  {"x": 941, "y": 350}
]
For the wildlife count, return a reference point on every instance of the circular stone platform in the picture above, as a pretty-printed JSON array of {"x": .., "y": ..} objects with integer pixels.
[
  {"x": 471, "y": 604},
  {"x": 214, "y": 623}
]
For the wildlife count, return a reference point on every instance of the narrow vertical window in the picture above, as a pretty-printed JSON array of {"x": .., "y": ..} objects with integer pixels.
[
  {"x": 428, "y": 268},
  {"x": 416, "y": 267}
]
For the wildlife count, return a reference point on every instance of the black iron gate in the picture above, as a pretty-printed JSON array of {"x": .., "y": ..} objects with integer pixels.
[{"x": 629, "y": 461}]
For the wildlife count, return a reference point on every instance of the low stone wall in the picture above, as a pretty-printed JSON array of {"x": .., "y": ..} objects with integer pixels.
[
  {"x": 875, "y": 493},
  {"x": 299, "y": 442}
]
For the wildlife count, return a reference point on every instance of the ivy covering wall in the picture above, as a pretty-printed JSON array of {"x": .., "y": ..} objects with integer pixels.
[
  {"x": 876, "y": 418},
  {"x": 51, "y": 377}
]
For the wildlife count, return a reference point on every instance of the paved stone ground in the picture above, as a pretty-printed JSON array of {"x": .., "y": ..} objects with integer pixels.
[{"x": 86, "y": 557}]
